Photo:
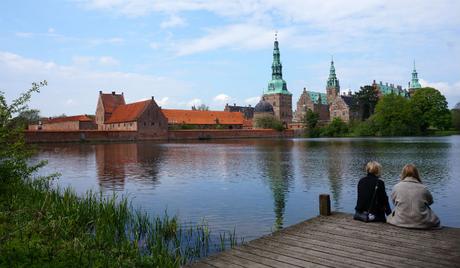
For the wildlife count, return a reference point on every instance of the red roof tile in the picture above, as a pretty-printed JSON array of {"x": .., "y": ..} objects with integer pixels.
[
  {"x": 193, "y": 117},
  {"x": 81, "y": 118},
  {"x": 112, "y": 101},
  {"x": 128, "y": 112}
]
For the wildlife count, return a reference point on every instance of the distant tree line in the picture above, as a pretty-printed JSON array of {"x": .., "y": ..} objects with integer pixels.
[{"x": 391, "y": 115}]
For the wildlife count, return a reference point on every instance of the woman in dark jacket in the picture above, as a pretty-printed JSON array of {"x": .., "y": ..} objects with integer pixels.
[{"x": 374, "y": 201}]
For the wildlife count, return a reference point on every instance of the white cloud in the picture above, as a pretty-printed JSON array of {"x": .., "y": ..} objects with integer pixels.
[
  {"x": 222, "y": 98},
  {"x": 194, "y": 102},
  {"x": 108, "y": 61},
  {"x": 77, "y": 83},
  {"x": 51, "y": 30},
  {"x": 450, "y": 90},
  {"x": 173, "y": 21},
  {"x": 154, "y": 45},
  {"x": 163, "y": 102},
  {"x": 252, "y": 100}
]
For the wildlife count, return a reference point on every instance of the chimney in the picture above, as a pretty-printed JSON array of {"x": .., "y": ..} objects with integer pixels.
[
  {"x": 122, "y": 93},
  {"x": 153, "y": 98},
  {"x": 100, "y": 92},
  {"x": 234, "y": 104},
  {"x": 113, "y": 92}
]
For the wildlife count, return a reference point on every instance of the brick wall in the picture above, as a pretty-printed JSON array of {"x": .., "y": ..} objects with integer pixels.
[{"x": 108, "y": 136}]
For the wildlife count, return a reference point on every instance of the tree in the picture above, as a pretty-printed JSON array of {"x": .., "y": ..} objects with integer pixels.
[
  {"x": 310, "y": 121},
  {"x": 336, "y": 128},
  {"x": 393, "y": 117},
  {"x": 14, "y": 154},
  {"x": 269, "y": 122},
  {"x": 201, "y": 107},
  {"x": 26, "y": 117},
  {"x": 430, "y": 108},
  {"x": 366, "y": 99},
  {"x": 456, "y": 117}
]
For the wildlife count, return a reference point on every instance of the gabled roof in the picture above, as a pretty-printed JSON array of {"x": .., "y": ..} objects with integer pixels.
[
  {"x": 314, "y": 96},
  {"x": 110, "y": 101},
  {"x": 128, "y": 112},
  {"x": 81, "y": 118},
  {"x": 192, "y": 117},
  {"x": 348, "y": 100}
]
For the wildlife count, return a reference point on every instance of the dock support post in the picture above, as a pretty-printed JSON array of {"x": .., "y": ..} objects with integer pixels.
[{"x": 324, "y": 205}]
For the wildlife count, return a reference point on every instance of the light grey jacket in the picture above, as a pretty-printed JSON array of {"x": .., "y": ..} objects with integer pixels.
[{"x": 412, "y": 202}]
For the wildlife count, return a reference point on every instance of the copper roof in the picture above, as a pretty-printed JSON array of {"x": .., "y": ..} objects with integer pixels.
[
  {"x": 81, "y": 118},
  {"x": 128, "y": 112},
  {"x": 112, "y": 101},
  {"x": 193, "y": 117}
]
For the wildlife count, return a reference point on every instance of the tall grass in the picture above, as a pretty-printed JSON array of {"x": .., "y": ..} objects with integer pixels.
[{"x": 44, "y": 226}]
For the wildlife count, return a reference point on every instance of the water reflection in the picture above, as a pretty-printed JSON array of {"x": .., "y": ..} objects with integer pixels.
[
  {"x": 277, "y": 169},
  {"x": 117, "y": 162}
]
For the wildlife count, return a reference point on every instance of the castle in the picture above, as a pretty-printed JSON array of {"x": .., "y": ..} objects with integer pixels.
[{"x": 276, "y": 101}]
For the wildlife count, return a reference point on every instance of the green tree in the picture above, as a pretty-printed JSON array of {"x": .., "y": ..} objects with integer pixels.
[
  {"x": 336, "y": 128},
  {"x": 393, "y": 117},
  {"x": 310, "y": 121},
  {"x": 13, "y": 152},
  {"x": 26, "y": 117},
  {"x": 201, "y": 107},
  {"x": 366, "y": 99},
  {"x": 269, "y": 122},
  {"x": 430, "y": 108},
  {"x": 456, "y": 117}
]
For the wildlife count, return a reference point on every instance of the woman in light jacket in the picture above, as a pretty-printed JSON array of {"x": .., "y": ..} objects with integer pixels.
[{"x": 412, "y": 202}]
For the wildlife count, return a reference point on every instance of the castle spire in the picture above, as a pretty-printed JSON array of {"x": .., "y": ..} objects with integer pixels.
[
  {"x": 277, "y": 67},
  {"x": 415, "y": 83},
  {"x": 332, "y": 85}
]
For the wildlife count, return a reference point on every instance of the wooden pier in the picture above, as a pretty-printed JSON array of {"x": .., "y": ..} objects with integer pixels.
[{"x": 339, "y": 241}]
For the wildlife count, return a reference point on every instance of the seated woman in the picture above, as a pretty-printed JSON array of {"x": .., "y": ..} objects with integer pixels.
[
  {"x": 372, "y": 203},
  {"x": 412, "y": 202}
]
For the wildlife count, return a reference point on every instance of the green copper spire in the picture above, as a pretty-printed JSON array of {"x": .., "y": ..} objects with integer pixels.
[
  {"x": 277, "y": 84},
  {"x": 414, "y": 83},
  {"x": 332, "y": 81}
]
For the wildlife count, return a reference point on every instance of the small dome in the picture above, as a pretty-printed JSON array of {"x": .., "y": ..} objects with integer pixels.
[
  {"x": 263, "y": 107},
  {"x": 457, "y": 106}
]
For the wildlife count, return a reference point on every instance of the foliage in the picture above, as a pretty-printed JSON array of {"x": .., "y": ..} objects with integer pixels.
[
  {"x": 456, "y": 119},
  {"x": 363, "y": 128},
  {"x": 43, "y": 226},
  {"x": 393, "y": 117},
  {"x": 201, "y": 107},
  {"x": 336, "y": 128},
  {"x": 366, "y": 99},
  {"x": 269, "y": 122},
  {"x": 26, "y": 117},
  {"x": 310, "y": 121},
  {"x": 430, "y": 108}
]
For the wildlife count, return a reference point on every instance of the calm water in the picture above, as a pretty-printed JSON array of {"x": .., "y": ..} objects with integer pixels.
[{"x": 254, "y": 186}]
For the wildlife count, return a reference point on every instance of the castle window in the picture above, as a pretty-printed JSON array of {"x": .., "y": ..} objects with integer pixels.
[{"x": 145, "y": 123}]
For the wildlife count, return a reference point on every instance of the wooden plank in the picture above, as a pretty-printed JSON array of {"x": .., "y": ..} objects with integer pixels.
[
  {"x": 310, "y": 255},
  {"x": 339, "y": 241},
  {"x": 357, "y": 254},
  {"x": 397, "y": 249}
]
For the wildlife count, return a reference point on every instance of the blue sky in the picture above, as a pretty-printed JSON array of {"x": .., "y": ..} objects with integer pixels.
[{"x": 187, "y": 52}]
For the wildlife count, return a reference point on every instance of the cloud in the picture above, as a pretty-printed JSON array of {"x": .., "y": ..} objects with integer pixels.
[
  {"x": 194, "y": 102},
  {"x": 252, "y": 100},
  {"x": 105, "y": 61},
  {"x": 231, "y": 36},
  {"x": 222, "y": 98},
  {"x": 450, "y": 90},
  {"x": 78, "y": 84},
  {"x": 154, "y": 45},
  {"x": 173, "y": 21},
  {"x": 163, "y": 101}
]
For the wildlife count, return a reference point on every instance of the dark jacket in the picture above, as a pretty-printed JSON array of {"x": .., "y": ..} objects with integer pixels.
[{"x": 366, "y": 188}]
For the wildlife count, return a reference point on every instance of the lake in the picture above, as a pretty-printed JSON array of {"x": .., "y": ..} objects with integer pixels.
[{"x": 253, "y": 186}]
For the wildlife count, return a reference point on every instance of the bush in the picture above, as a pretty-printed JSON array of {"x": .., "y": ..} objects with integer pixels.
[
  {"x": 363, "y": 129},
  {"x": 456, "y": 119},
  {"x": 269, "y": 122},
  {"x": 336, "y": 128}
]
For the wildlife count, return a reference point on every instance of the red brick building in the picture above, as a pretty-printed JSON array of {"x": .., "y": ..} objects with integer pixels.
[
  {"x": 204, "y": 119},
  {"x": 65, "y": 123}
]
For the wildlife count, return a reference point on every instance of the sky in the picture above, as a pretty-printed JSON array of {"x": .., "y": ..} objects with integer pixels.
[{"x": 192, "y": 52}]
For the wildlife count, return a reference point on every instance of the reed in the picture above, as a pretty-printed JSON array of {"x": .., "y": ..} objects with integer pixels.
[{"x": 45, "y": 226}]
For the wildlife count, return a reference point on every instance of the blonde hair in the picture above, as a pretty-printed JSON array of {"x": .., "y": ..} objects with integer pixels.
[
  {"x": 374, "y": 167},
  {"x": 410, "y": 170}
]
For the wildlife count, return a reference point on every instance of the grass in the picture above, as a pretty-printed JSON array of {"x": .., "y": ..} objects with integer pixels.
[{"x": 43, "y": 226}]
